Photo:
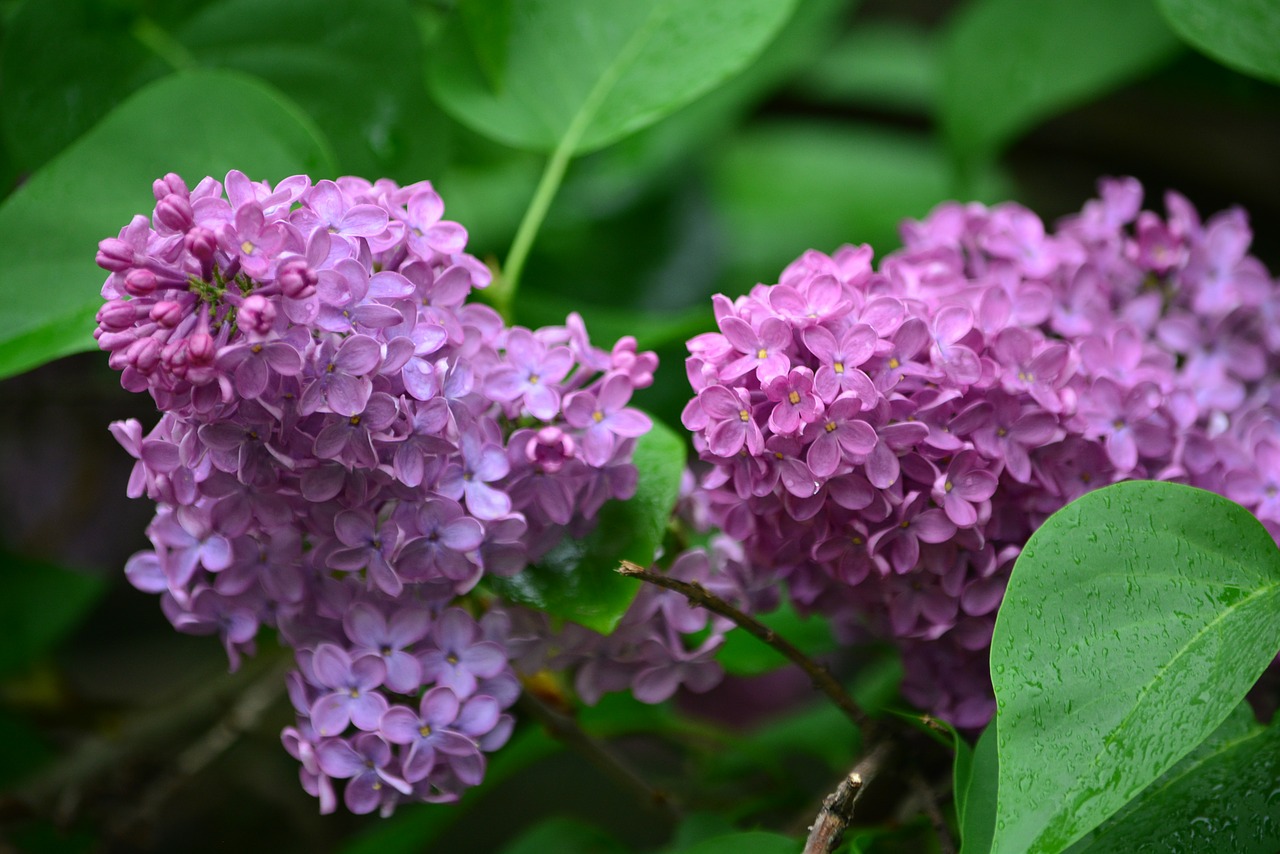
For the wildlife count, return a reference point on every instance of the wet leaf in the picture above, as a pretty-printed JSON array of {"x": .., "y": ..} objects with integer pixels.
[
  {"x": 1135, "y": 620},
  {"x": 1241, "y": 34},
  {"x": 587, "y": 74},
  {"x": 1222, "y": 797}
]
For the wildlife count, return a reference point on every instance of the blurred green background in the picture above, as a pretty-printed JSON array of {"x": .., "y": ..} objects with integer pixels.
[{"x": 118, "y": 734}]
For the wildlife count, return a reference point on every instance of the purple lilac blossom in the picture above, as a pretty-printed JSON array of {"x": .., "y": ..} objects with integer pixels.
[
  {"x": 883, "y": 441},
  {"x": 340, "y": 442}
]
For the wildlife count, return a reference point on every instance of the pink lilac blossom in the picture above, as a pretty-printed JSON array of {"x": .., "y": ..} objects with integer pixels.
[
  {"x": 341, "y": 452},
  {"x": 881, "y": 442}
]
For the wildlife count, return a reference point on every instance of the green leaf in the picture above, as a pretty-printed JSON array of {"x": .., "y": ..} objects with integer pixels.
[
  {"x": 976, "y": 801},
  {"x": 698, "y": 827},
  {"x": 577, "y": 579},
  {"x": 42, "y": 603},
  {"x": 488, "y": 27},
  {"x": 48, "y": 279},
  {"x": 51, "y": 96},
  {"x": 887, "y": 64},
  {"x": 854, "y": 185},
  {"x": 753, "y": 842},
  {"x": 743, "y": 654},
  {"x": 1221, "y": 797},
  {"x": 819, "y": 731},
  {"x": 1008, "y": 64},
  {"x": 582, "y": 75},
  {"x": 564, "y": 836},
  {"x": 961, "y": 773},
  {"x": 1135, "y": 620},
  {"x": 1241, "y": 34},
  {"x": 354, "y": 66}
]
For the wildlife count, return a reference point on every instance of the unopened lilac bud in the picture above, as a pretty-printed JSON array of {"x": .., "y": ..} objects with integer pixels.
[
  {"x": 174, "y": 356},
  {"x": 201, "y": 347},
  {"x": 549, "y": 449},
  {"x": 174, "y": 212},
  {"x": 115, "y": 255},
  {"x": 167, "y": 313},
  {"x": 144, "y": 354},
  {"x": 257, "y": 315},
  {"x": 169, "y": 184},
  {"x": 117, "y": 315},
  {"x": 140, "y": 283},
  {"x": 297, "y": 280},
  {"x": 201, "y": 242}
]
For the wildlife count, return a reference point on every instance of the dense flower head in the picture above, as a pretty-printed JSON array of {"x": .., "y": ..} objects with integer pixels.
[
  {"x": 347, "y": 446},
  {"x": 883, "y": 440}
]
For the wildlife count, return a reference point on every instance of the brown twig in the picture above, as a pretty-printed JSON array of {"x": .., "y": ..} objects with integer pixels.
[
  {"x": 566, "y": 730},
  {"x": 821, "y": 678},
  {"x": 837, "y": 808}
]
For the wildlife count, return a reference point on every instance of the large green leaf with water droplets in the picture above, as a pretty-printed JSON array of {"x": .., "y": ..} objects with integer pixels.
[
  {"x": 583, "y": 75},
  {"x": 1222, "y": 797},
  {"x": 1135, "y": 620}
]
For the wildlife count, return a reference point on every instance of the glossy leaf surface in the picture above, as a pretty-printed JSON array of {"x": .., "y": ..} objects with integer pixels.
[{"x": 1135, "y": 620}]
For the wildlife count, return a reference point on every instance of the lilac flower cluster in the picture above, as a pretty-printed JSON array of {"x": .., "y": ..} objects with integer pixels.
[
  {"x": 346, "y": 448},
  {"x": 884, "y": 440}
]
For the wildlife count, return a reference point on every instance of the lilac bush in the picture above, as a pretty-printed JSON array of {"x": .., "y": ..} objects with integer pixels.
[
  {"x": 346, "y": 448},
  {"x": 882, "y": 441}
]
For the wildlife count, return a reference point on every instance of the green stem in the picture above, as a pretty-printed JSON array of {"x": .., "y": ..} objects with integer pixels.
[{"x": 503, "y": 291}]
